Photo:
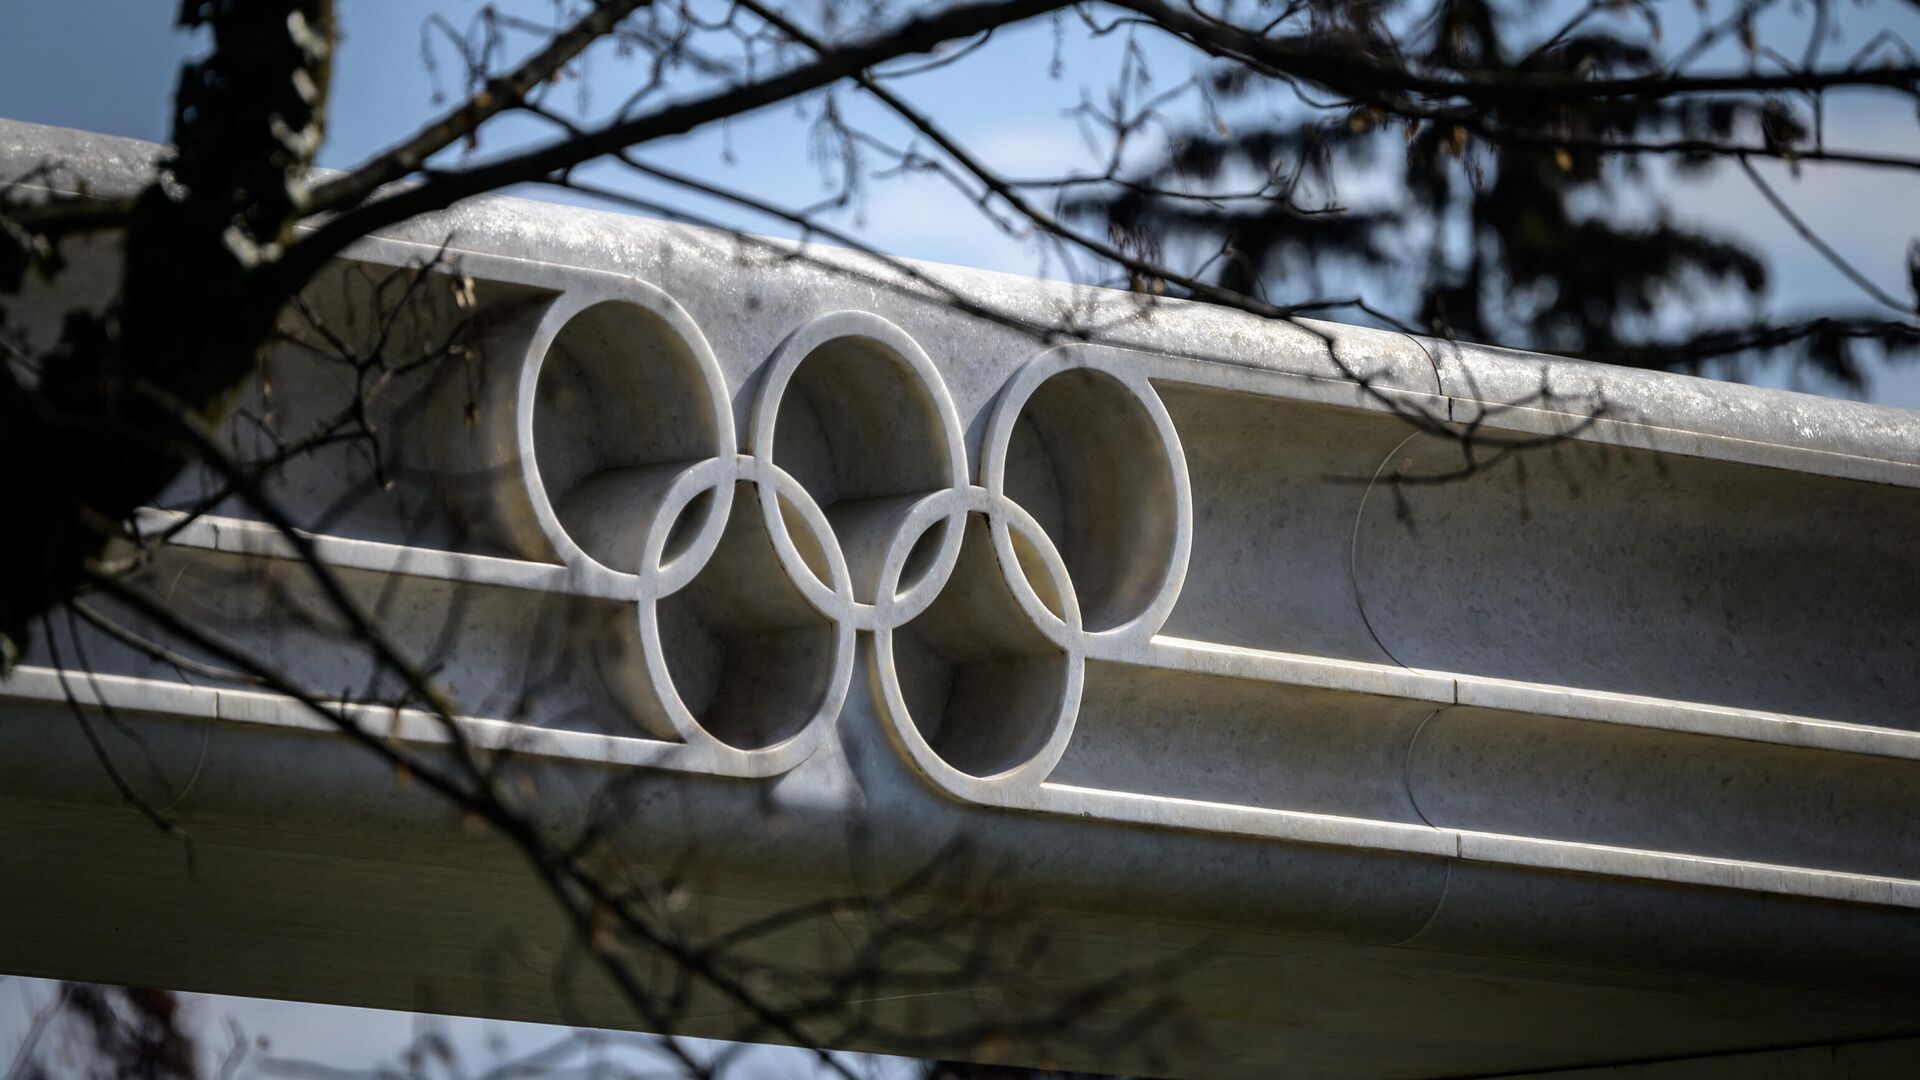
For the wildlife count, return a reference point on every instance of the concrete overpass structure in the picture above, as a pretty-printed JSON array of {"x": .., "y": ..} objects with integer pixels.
[{"x": 1606, "y": 752}]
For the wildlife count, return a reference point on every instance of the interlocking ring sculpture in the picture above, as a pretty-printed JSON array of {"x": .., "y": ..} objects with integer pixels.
[{"x": 852, "y": 510}]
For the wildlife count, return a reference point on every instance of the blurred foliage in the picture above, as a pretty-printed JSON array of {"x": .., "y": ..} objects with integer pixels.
[{"x": 1512, "y": 226}]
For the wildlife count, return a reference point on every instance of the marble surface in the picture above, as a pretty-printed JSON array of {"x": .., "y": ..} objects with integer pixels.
[{"x": 1601, "y": 744}]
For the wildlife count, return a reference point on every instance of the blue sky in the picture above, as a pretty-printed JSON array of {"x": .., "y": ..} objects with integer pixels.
[
  {"x": 110, "y": 66},
  {"x": 1006, "y": 102}
]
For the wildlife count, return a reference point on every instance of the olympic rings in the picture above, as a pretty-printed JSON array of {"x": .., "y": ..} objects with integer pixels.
[{"x": 607, "y": 425}]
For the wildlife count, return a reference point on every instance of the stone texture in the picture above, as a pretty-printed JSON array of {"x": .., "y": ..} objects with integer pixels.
[{"x": 1605, "y": 753}]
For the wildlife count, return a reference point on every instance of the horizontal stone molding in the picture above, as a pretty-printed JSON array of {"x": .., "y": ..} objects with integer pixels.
[
  {"x": 1107, "y": 583},
  {"x": 1004, "y": 579}
]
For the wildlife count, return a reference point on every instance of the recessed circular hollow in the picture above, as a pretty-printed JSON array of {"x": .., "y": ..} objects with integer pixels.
[
  {"x": 1086, "y": 460},
  {"x": 686, "y": 525},
  {"x": 920, "y": 557},
  {"x": 622, "y": 406},
  {"x": 862, "y": 433},
  {"x": 981, "y": 684},
  {"x": 749, "y": 658}
]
